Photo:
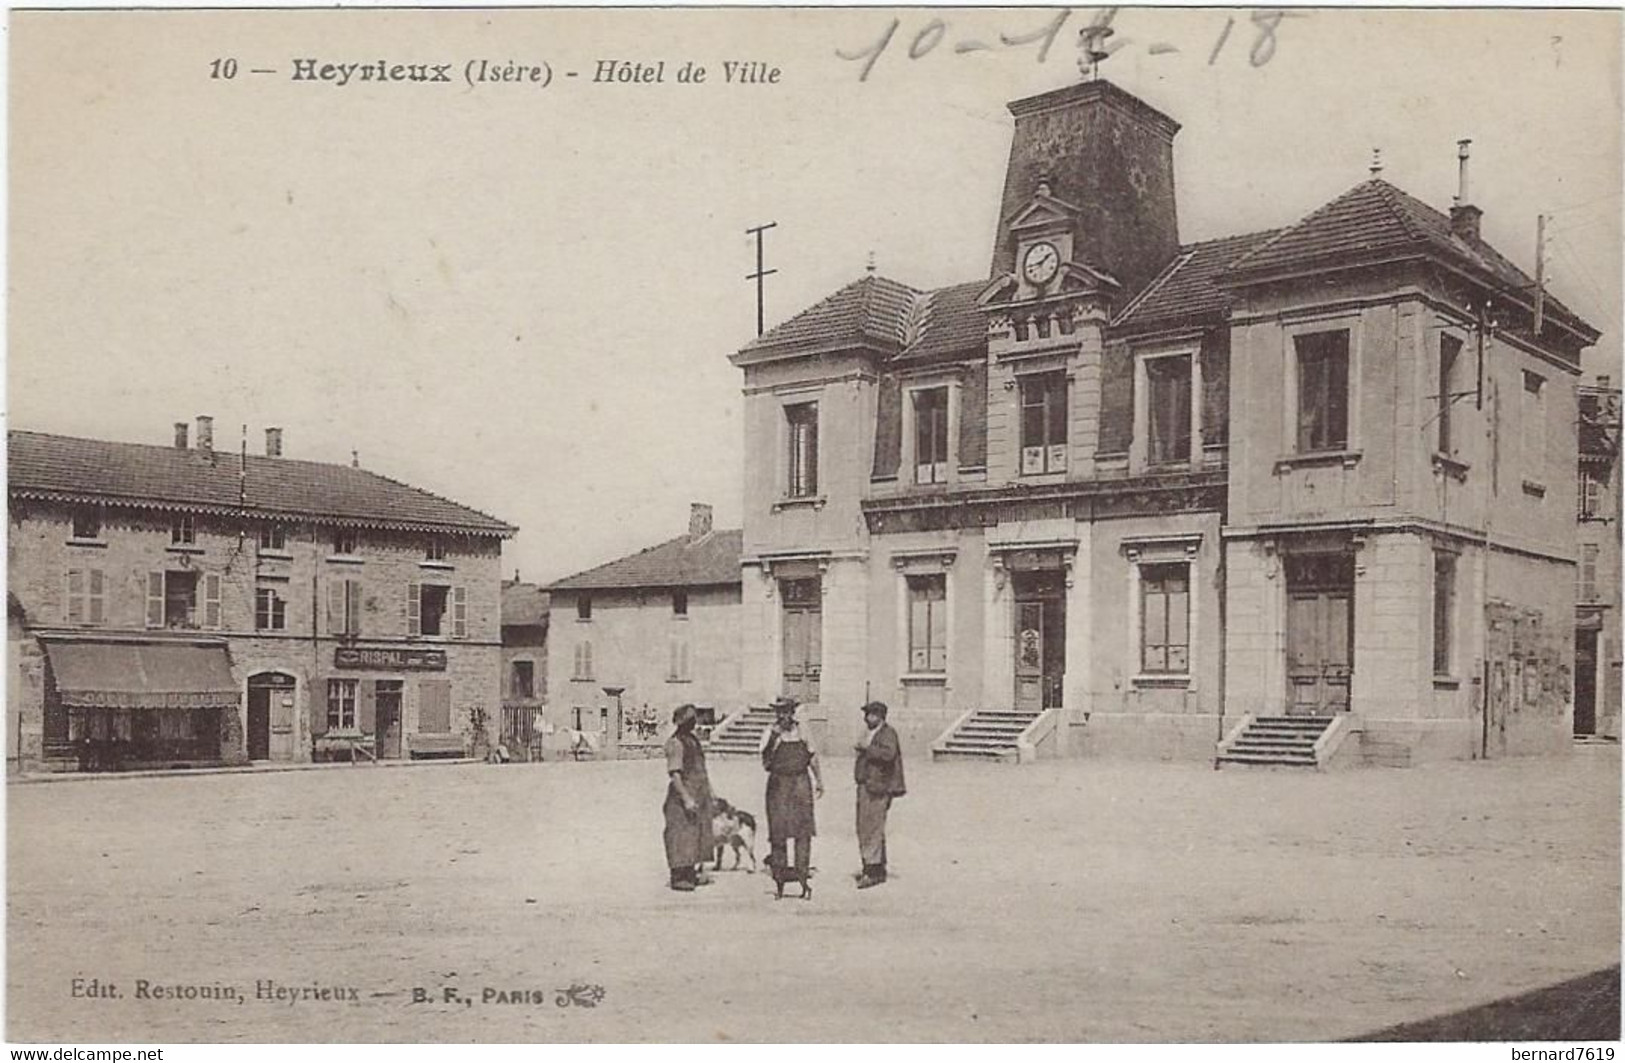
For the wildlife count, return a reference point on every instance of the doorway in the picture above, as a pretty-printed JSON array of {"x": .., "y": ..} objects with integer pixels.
[
  {"x": 1319, "y": 633},
  {"x": 1040, "y": 639},
  {"x": 267, "y": 693},
  {"x": 1585, "y": 681},
  {"x": 803, "y": 638},
  {"x": 387, "y": 705}
]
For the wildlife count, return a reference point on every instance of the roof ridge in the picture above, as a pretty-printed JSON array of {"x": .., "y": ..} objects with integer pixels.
[
  {"x": 618, "y": 560},
  {"x": 1178, "y": 262}
]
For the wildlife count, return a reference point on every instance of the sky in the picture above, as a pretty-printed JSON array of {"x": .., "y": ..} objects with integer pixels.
[{"x": 523, "y": 295}]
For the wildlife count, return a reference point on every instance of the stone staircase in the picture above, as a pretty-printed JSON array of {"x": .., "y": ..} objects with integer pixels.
[
  {"x": 986, "y": 734},
  {"x": 741, "y": 733},
  {"x": 1275, "y": 741}
]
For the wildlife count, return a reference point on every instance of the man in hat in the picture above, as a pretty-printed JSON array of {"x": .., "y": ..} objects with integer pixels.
[
  {"x": 878, "y": 771},
  {"x": 688, "y": 803},
  {"x": 793, "y": 783}
]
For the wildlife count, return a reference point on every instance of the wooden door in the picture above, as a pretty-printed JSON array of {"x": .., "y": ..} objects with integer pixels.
[
  {"x": 388, "y": 711},
  {"x": 1319, "y": 636},
  {"x": 259, "y": 722},
  {"x": 1040, "y": 641},
  {"x": 803, "y": 638},
  {"x": 1585, "y": 682}
]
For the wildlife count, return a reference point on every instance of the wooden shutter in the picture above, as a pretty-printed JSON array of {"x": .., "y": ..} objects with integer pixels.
[
  {"x": 76, "y": 600},
  {"x": 973, "y": 418},
  {"x": 211, "y": 601},
  {"x": 366, "y": 707},
  {"x": 434, "y": 706},
  {"x": 352, "y": 606},
  {"x": 318, "y": 708},
  {"x": 888, "y": 427},
  {"x": 414, "y": 610},
  {"x": 459, "y": 612},
  {"x": 335, "y": 607},
  {"x": 155, "y": 599},
  {"x": 96, "y": 607}
]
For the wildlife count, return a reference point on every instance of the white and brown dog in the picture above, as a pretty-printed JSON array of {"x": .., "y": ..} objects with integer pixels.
[{"x": 733, "y": 828}]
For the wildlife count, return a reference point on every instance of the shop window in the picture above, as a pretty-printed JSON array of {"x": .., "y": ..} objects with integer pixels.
[
  {"x": 1165, "y": 647},
  {"x": 341, "y": 701},
  {"x": 1323, "y": 390},
  {"x": 1043, "y": 423}
]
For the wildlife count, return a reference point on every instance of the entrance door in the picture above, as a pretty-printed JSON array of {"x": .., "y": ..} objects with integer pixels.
[
  {"x": 803, "y": 638},
  {"x": 1040, "y": 617},
  {"x": 388, "y": 709},
  {"x": 1319, "y": 633},
  {"x": 270, "y": 713},
  {"x": 1585, "y": 682}
]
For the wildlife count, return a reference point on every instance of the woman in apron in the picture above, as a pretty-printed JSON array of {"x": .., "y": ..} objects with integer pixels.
[
  {"x": 793, "y": 783},
  {"x": 688, "y": 803}
]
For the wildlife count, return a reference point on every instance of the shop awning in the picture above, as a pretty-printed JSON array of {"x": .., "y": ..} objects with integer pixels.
[{"x": 126, "y": 675}]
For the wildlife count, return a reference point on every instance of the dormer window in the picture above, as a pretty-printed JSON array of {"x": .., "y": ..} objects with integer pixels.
[
  {"x": 87, "y": 523},
  {"x": 931, "y": 436}
]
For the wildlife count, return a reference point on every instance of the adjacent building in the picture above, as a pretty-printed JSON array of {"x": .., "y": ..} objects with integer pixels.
[
  {"x": 1597, "y": 573},
  {"x": 526, "y": 614},
  {"x": 186, "y": 605},
  {"x": 634, "y": 638},
  {"x": 1143, "y": 492}
]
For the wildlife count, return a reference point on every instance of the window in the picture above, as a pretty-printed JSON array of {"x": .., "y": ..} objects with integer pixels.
[
  {"x": 523, "y": 685},
  {"x": 1165, "y": 638},
  {"x": 931, "y": 436},
  {"x": 603, "y": 719},
  {"x": 1534, "y": 425},
  {"x": 434, "y": 706},
  {"x": 435, "y": 549},
  {"x": 583, "y": 661},
  {"x": 576, "y": 712},
  {"x": 273, "y": 537},
  {"x": 1586, "y": 574},
  {"x": 172, "y": 600},
  {"x": 87, "y": 601},
  {"x": 344, "y": 542},
  {"x": 344, "y": 607},
  {"x": 802, "y": 420},
  {"x": 87, "y": 523},
  {"x": 928, "y": 623},
  {"x": 679, "y": 603},
  {"x": 182, "y": 531},
  {"x": 1168, "y": 409},
  {"x": 1444, "y": 610},
  {"x": 1589, "y": 495},
  {"x": 437, "y": 610},
  {"x": 341, "y": 704},
  {"x": 584, "y": 607},
  {"x": 270, "y": 610},
  {"x": 677, "y": 670},
  {"x": 1449, "y": 351},
  {"x": 1043, "y": 423},
  {"x": 1323, "y": 390}
]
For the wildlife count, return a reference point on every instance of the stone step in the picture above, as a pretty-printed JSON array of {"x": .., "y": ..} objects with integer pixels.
[
  {"x": 1267, "y": 758},
  {"x": 971, "y": 754},
  {"x": 1319, "y": 723}
]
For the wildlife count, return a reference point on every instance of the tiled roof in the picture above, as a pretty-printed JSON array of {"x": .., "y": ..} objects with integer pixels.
[
  {"x": 873, "y": 311},
  {"x": 686, "y": 561},
  {"x": 141, "y": 475},
  {"x": 524, "y": 605},
  {"x": 1185, "y": 289},
  {"x": 946, "y": 323},
  {"x": 1373, "y": 220}
]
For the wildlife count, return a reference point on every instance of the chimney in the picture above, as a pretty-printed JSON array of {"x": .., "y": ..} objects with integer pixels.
[
  {"x": 699, "y": 520},
  {"x": 1464, "y": 217},
  {"x": 205, "y": 434},
  {"x": 180, "y": 435},
  {"x": 1111, "y": 155},
  {"x": 273, "y": 442}
]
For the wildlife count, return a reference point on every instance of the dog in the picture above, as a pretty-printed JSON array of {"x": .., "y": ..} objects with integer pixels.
[{"x": 736, "y": 829}]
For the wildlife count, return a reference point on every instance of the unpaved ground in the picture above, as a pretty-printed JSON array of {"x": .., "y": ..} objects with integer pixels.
[{"x": 1072, "y": 900}]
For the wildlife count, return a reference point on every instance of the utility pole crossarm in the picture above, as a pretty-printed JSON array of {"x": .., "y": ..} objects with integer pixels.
[{"x": 761, "y": 274}]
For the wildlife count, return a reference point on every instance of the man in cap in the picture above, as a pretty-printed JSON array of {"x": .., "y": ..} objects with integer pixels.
[
  {"x": 688, "y": 803},
  {"x": 793, "y": 783},
  {"x": 878, "y": 771}
]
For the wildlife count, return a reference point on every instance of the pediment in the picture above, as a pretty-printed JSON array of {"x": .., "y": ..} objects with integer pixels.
[{"x": 1045, "y": 212}]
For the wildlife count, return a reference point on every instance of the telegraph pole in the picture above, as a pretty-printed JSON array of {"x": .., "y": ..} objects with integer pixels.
[{"x": 760, "y": 273}]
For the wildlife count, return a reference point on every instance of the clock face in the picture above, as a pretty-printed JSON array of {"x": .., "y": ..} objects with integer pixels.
[{"x": 1040, "y": 263}]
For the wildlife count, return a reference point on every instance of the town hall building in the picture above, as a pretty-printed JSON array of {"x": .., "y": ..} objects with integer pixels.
[{"x": 1284, "y": 496}]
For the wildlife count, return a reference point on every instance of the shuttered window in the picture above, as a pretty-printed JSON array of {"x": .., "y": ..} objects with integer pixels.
[
  {"x": 87, "y": 602},
  {"x": 434, "y": 706},
  {"x": 344, "y": 607},
  {"x": 211, "y": 602},
  {"x": 459, "y": 612},
  {"x": 677, "y": 668},
  {"x": 583, "y": 660}
]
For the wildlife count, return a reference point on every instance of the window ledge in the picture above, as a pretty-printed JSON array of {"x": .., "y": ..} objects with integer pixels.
[
  {"x": 670, "y": 680},
  {"x": 1346, "y": 458},
  {"x": 1450, "y": 466},
  {"x": 274, "y": 555},
  {"x": 443, "y": 566},
  {"x": 344, "y": 559},
  {"x": 582, "y": 679},
  {"x": 183, "y": 548},
  {"x": 100, "y": 544},
  {"x": 816, "y": 502},
  {"x": 1446, "y": 682},
  {"x": 1535, "y": 488},
  {"x": 924, "y": 678},
  {"x": 1163, "y": 679}
]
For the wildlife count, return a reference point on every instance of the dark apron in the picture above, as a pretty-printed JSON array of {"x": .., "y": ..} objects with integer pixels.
[
  {"x": 789, "y": 791},
  {"x": 688, "y": 837}
]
